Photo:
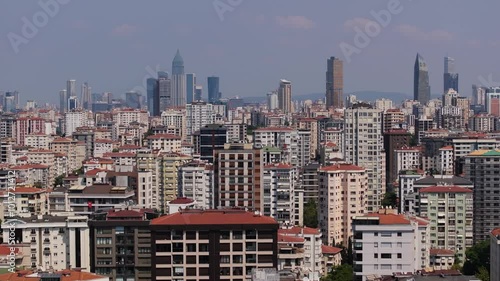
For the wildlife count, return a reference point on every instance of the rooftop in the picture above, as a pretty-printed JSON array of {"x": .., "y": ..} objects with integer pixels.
[
  {"x": 441, "y": 252},
  {"x": 342, "y": 167},
  {"x": 64, "y": 275},
  {"x": 213, "y": 217},
  {"x": 325, "y": 249},
  {"x": 299, "y": 230},
  {"x": 445, "y": 188},
  {"x": 484, "y": 152},
  {"x": 181, "y": 200},
  {"x": 496, "y": 232},
  {"x": 388, "y": 219}
]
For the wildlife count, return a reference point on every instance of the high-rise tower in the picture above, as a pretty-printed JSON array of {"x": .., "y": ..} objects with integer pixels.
[
  {"x": 450, "y": 77},
  {"x": 164, "y": 91},
  {"x": 213, "y": 89},
  {"x": 86, "y": 96},
  {"x": 178, "y": 81},
  {"x": 421, "y": 87},
  {"x": 334, "y": 82},
  {"x": 190, "y": 87},
  {"x": 285, "y": 96},
  {"x": 63, "y": 101}
]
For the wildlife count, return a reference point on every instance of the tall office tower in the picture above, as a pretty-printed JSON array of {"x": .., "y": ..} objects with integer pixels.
[
  {"x": 86, "y": 98},
  {"x": 164, "y": 91},
  {"x": 72, "y": 103},
  {"x": 11, "y": 100},
  {"x": 364, "y": 147},
  {"x": 190, "y": 87},
  {"x": 214, "y": 94},
  {"x": 450, "y": 77},
  {"x": 212, "y": 138},
  {"x": 238, "y": 175},
  {"x": 285, "y": 96},
  {"x": 479, "y": 95},
  {"x": 63, "y": 101},
  {"x": 334, "y": 83},
  {"x": 478, "y": 169},
  {"x": 70, "y": 90},
  {"x": 272, "y": 100},
  {"x": 198, "y": 92},
  {"x": 421, "y": 87},
  {"x": 133, "y": 100},
  {"x": 342, "y": 189},
  {"x": 178, "y": 93},
  {"x": 153, "y": 97}
]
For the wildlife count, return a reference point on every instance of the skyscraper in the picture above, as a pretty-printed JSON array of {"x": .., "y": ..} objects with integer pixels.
[
  {"x": 334, "y": 83},
  {"x": 198, "y": 91},
  {"x": 285, "y": 96},
  {"x": 86, "y": 96},
  {"x": 272, "y": 100},
  {"x": 153, "y": 96},
  {"x": 190, "y": 87},
  {"x": 421, "y": 87},
  {"x": 213, "y": 89},
  {"x": 11, "y": 101},
  {"x": 71, "y": 88},
  {"x": 164, "y": 91},
  {"x": 178, "y": 92},
  {"x": 72, "y": 103},
  {"x": 450, "y": 77},
  {"x": 133, "y": 100},
  {"x": 63, "y": 101}
]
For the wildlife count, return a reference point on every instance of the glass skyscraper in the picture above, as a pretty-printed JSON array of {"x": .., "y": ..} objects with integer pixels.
[
  {"x": 190, "y": 87},
  {"x": 421, "y": 87},
  {"x": 214, "y": 94},
  {"x": 450, "y": 77}
]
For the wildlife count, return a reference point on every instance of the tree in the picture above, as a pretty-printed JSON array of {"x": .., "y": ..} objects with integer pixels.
[
  {"x": 390, "y": 200},
  {"x": 340, "y": 273},
  {"x": 483, "y": 274},
  {"x": 38, "y": 184},
  {"x": 59, "y": 180},
  {"x": 311, "y": 214},
  {"x": 477, "y": 257},
  {"x": 414, "y": 140}
]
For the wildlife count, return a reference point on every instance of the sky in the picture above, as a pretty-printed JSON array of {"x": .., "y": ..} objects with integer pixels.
[{"x": 115, "y": 45}]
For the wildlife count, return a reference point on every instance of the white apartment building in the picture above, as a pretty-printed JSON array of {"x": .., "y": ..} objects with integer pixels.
[
  {"x": 196, "y": 181},
  {"x": 280, "y": 192},
  {"x": 124, "y": 117},
  {"x": 406, "y": 180},
  {"x": 164, "y": 142},
  {"x": 445, "y": 161},
  {"x": 342, "y": 191},
  {"x": 303, "y": 148},
  {"x": 38, "y": 141},
  {"x": 407, "y": 158},
  {"x": 198, "y": 114},
  {"x": 364, "y": 147},
  {"x": 312, "y": 262},
  {"x": 284, "y": 138},
  {"x": 388, "y": 243},
  {"x": 102, "y": 146},
  {"x": 335, "y": 136},
  {"x": 57, "y": 242},
  {"x": 145, "y": 191},
  {"x": 175, "y": 119},
  {"x": 77, "y": 118},
  {"x": 29, "y": 201}
]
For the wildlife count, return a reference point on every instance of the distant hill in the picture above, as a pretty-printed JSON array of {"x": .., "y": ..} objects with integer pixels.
[{"x": 369, "y": 96}]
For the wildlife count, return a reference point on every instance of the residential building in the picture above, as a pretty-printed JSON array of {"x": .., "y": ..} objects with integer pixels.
[
  {"x": 77, "y": 118},
  {"x": 198, "y": 114},
  {"x": 196, "y": 181},
  {"x": 449, "y": 210},
  {"x": 312, "y": 262},
  {"x": 164, "y": 143},
  {"x": 61, "y": 275},
  {"x": 120, "y": 244},
  {"x": 212, "y": 245},
  {"x": 309, "y": 179},
  {"x": 342, "y": 193},
  {"x": 212, "y": 138},
  {"x": 394, "y": 140},
  {"x": 238, "y": 172},
  {"x": 169, "y": 176}
]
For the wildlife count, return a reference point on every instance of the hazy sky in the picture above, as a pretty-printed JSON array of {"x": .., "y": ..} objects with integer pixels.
[{"x": 250, "y": 44}]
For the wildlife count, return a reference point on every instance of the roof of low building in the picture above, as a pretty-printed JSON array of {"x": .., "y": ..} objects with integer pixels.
[
  {"x": 444, "y": 189},
  {"x": 213, "y": 217},
  {"x": 64, "y": 275},
  {"x": 441, "y": 252},
  {"x": 325, "y": 249}
]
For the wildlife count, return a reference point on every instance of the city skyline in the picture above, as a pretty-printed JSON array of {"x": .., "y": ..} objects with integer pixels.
[{"x": 133, "y": 46}]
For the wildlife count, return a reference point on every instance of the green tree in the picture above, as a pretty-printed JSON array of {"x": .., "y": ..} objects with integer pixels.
[
  {"x": 311, "y": 214},
  {"x": 483, "y": 274},
  {"x": 477, "y": 257},
  {"x": 340, "y": 273},
  {"x": 390, "y": 200},
  {"x": 59, "y": 180},
  {"x": 414, "y": 140}
]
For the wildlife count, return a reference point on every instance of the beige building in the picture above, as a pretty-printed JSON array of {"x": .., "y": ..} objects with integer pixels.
[
  {"x": 169, "y": 176},
  {"x": 164, "y": 142},
  {"x": 285, "y": 96},
  {"x": 74, "y": 150},
  {"x": 342, "y": 191},
  {"x": 38, "y": 141}
]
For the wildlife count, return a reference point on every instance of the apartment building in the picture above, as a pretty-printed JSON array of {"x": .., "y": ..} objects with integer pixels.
[
  {"x": 57, "y": 242},
  {"x": 29, "y": 201},
  {"x": 196, "y": 181},
  {"x": 308, "y": 177},
  {"x": 386, "y": 243},
  {"x": 175, "y": 120},
  {"x": 406, "y": 192},
  {"x": 449, "y": 210},
  {"x": 164, "y": 142},
  {"x": 407, "y": 158},
  {"x": 481, "y": 167},
  {"x": 342, "y": 193},
  {"x": 74, "y": 150},
  {"x": 238, "y": 176},
  {"x": 495, "y": 254},
  {"x": 198, "y": 114},
  {"x": 212, "y": 245},
  {"x": 169, "y": 176},
  {"x": 283, "y": 200},
  {"x": 38, "y": 141},
  {"x": 60, "y": 275},
  {"x": 284, "y": 138},
  {"x": 120, "y": 244}
]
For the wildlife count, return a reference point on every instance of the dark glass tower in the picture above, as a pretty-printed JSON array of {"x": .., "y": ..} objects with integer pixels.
[
  {"x": 212, "y": 137},
  {"x": 190, "y": 87},
  {"x": 334, "y": 83},
  {"x": 213, "y": 89},
  {"x": 450, "y": 77},
  {"x": 421, "y": 87},
  {"x": 153, "y": 97}
]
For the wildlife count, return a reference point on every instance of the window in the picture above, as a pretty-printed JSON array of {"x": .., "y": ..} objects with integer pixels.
[
  {"x": 386, "y": 234},
  {"x": 386, "y": 256},
  {"x": 385, "y": 266},
  {"x": 375, "y": 256},
  {"x": 386, "y": 245},
  {"x": 400, "y": 256},
  {"x": 400, "y": 234},
  {"x": 375, "y": 234}
]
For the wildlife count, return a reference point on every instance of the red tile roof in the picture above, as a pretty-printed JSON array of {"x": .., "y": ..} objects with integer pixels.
[
  {"x": 330, "y": 250},
  {"x": 213, "y": 217},
  {"x": 441, "y": 252},
  {"x": 299, "y": 230},
  {"x": 164, "y": 136},
  {"x": 290, "y": 239},
  {"x": 28, "y": 190},
  {"x": 387, "y": 219},
  {"x": 182, "y": 200},
  {"x": 30, "y": 166},
  {"x": 5, "y": 250},
  {"x": 66, "y": 275},
  {"x": 443, "y": 189},
  {"x": 341, "y": 167},
  {"x": 496, "y": 231}
]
